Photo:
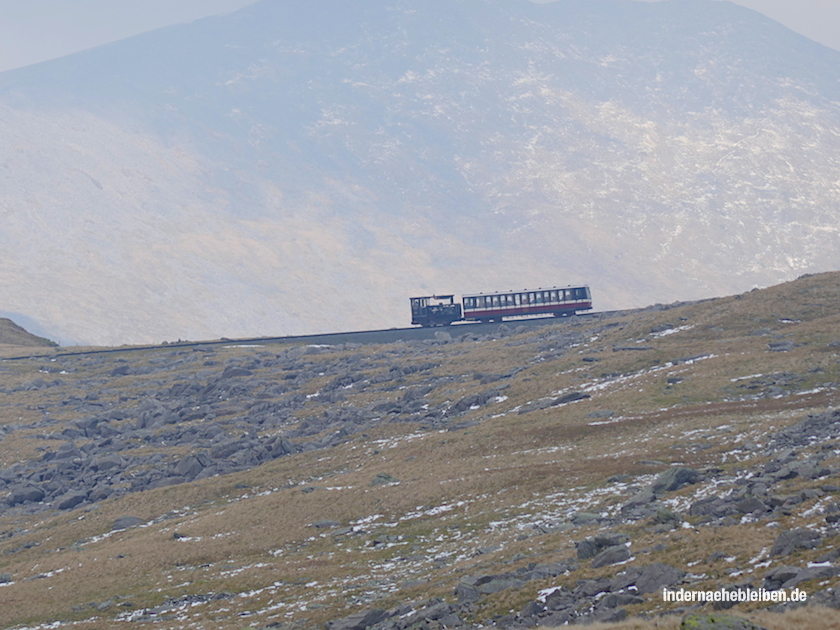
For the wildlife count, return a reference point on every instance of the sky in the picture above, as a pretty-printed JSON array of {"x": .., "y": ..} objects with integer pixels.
[{"x": 32, "y": 31}]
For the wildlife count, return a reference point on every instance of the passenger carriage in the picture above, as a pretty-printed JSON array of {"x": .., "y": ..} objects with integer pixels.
[{"x": 557, "y": 301}]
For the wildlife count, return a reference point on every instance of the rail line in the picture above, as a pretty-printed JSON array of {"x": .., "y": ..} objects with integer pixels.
[{"x": 389, "y": 335}]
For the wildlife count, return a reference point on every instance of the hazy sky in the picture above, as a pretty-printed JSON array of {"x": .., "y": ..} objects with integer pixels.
[{"x": 37, "y": 30}]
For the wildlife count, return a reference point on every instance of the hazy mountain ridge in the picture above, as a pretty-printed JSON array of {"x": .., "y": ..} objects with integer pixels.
[{"x": 297, "y": 168}]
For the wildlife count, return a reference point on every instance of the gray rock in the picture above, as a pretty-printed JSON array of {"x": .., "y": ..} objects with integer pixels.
[
  {"x": 781, "y": 346},
  {"x": 584, "y": 518},
  {"x": 810, "y": 573},
  {"x": 499, "y": 583},
  {"x": 189, "y": 467},
  {"x": 560, "y": 599},
  {"x": 70, "y": 500},
  {"x": 777, "y": 576},
  {"x": 107, "y": 462},
  {"x": 591, "y": 547},
  {"x": 795, "y": 540},
  {"x": 124, "y": 522},
  {"x": 234, "y": 371},
  {"x": 609, "y": 616},
  {"x": 324, "y": 524},
  {"x": 437, "y": 611},
  {"x": 675, "y": 478},
  {"x": 667, "y": 517},
  {"x": 5, "y": 578},
  {"x": 712, "y": 506},
  {"x": 614, "y": 600},
  {"x": 612, "y": 555},
  {"x": 657, "y": 576},
  {"x": 643, "y": 498},
  {"x": 748, "y": 505},
  {"x": 25, "y": 494},
  {"x": 383, "y": 478},
  {"x": 543, "y": 571},
  {"x": 591, "y": 588},
  {"x": 359, "y": 621},
  {"x": 466, "y": 593},
  {"x": 570, "y": 397}
]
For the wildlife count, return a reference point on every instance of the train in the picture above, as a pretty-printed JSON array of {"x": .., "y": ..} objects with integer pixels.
[{"x": 443, "y": 310}]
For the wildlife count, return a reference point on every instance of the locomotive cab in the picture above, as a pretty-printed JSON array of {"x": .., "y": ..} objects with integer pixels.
[{"x": 435, "y": 310}]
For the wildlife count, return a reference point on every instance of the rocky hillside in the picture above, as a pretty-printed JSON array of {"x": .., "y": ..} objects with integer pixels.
[
  {"x": 13, "y": 335},
  {"x": 562, "y": 473},
  {"x": 296, "y": 168}
]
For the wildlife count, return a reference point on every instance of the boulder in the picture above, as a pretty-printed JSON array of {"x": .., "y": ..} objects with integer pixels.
[
  {"x": 657, "y": 576},
  {"x": 748, "y": 505},
  {"x": 188, "y": 467},
  {"x": 234, "y": 371},
  {"x": 106, "y": 462},
  {"x": 25, "y": 494},
  {"x": 645, "y": 497},
  {"x": 777, "y": 576},
  {"x": 591, "y": 547},
  {"x": 124, "y": 522},
  {"x": 359, "y": 621},
  {"x": 675, "y": 478},
  {"x": 615, "y": 600},
  {"x": 810, "y": 573},
  {"x": 612, "y": 555},
  {"x": 382, "y": 479},
  {"x": 70, "y": 500},
  {"x": 570, "y": 397},
  {"x": 795, "y": 540}
]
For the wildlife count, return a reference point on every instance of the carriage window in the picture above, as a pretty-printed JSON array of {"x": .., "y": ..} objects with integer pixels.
[
  {"x": 495, "y": 300},
  {"x": 554, "y": 296},
  {"x": 517, "y": 299}
]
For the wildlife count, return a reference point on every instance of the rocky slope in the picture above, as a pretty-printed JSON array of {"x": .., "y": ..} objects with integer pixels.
[
  {"x": 532, "y": 476},
  {"x": 291, "y": 169},
  {"x": 13, "y": 335}
]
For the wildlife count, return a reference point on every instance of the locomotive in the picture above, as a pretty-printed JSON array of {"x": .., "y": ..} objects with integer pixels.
[{"x": 443, "y": 310}]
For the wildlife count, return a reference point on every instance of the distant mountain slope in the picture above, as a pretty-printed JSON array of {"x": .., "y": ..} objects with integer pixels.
[
  {"x": 302, "y": 167},
  {"x": 13, "y": 335}
]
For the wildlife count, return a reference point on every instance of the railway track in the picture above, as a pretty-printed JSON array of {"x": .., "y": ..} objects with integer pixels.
[{"x": 365, "y": 336}]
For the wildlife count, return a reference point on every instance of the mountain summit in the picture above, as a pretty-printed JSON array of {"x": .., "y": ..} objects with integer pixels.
[{"x": 303, "y": 167}]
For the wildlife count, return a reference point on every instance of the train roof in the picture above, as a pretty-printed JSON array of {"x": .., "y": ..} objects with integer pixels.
[{"x": 513, "y": 291}]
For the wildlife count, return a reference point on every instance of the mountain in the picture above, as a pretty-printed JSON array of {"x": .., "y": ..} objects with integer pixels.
[
  {"x": 296, "y": 168},
  {"x": 499, "y": 475},
  {"x": 13, "y": 335}
]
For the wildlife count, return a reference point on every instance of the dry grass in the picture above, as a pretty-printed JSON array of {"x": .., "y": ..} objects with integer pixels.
[
  {"x": 250, "y": 531},
  {"x": 812, "y": 618}
]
